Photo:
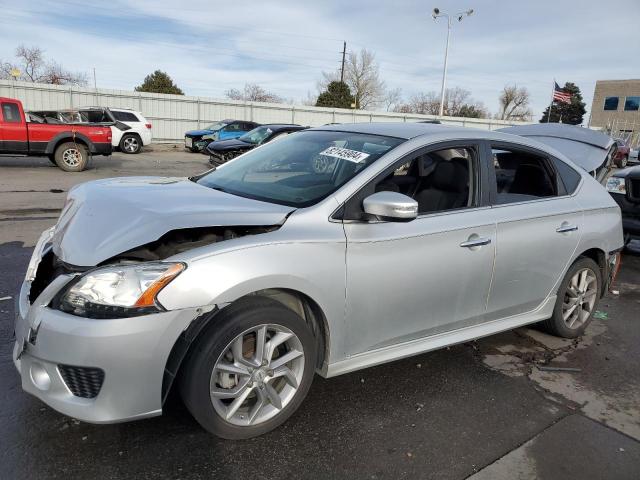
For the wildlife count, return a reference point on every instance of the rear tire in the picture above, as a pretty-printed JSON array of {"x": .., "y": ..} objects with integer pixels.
[
  {"x": 578, "y": 298},
  {"x": 623, "y": 161},
  {"x": 130, "y": 144},
  {"x": 71, "y": 157},
  {"x": 266, "y": 390}
]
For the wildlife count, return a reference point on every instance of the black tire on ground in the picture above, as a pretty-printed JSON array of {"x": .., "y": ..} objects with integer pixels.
[
  {"x": 623, "y": 161},
  {"x": 130, "y": 143},
  {"x": 556, "y": 325},
  {"x": 197, "y": 369},
  {"x": 71, "y": 157}
]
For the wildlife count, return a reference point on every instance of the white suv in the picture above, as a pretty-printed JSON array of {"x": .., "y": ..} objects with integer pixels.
[{"x": 131, "y": 130}]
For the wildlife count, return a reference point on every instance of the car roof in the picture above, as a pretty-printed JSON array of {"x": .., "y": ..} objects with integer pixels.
[
  {"x": 406, "y": 130},
  {"x": 281, "y": 126}
]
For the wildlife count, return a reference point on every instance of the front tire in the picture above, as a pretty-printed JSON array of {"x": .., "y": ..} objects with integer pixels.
[
  {"x": 71, "y": 157},
  {"x": 130, "y": 144},
  {"x": 249, "y": 374},
  {"x": 577, "y": 300}
]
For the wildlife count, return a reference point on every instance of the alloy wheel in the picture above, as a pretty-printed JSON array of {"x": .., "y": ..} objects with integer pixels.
[
  {"x": 72, "y": 157},
  {"x": 130, "y": 144},
  {"x": 257, "y": 375},
  {"x": 580, "y": 298}
]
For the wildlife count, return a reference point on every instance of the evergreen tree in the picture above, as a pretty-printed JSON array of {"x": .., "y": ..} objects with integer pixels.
[
  {"x": 571, "y": 113},
  {"x": 159, "y": 82},
  {"x": 337, "y": 95}
]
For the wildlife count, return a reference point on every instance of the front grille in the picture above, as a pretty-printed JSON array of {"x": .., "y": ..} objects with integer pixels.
[{"x": 84, "y": 382}]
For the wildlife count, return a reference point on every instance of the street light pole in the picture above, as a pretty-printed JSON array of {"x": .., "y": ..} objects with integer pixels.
[{"x": 437, "y": 14}]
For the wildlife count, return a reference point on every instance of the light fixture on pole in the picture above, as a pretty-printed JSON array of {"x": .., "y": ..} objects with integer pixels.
[{"x": 437, "y": 14}]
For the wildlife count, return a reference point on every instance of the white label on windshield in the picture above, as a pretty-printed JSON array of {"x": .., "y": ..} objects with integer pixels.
[{"x": 345, "y": 154}]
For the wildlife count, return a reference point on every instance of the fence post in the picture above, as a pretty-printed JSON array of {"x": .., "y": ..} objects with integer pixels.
[
  {"x": 140, "y": 101},
  {"x": 293, "y": 114},
  {"x": 198, "y": 103},
  {"x": 70, "y": 97},
  {"x": 333, "y": 116}
]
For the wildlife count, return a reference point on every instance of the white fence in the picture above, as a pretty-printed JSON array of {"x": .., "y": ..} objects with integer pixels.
[{"x": 172, "y": 115}]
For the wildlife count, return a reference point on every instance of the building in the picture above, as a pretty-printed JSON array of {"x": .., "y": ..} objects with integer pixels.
[{"x": 616, "y": 109}]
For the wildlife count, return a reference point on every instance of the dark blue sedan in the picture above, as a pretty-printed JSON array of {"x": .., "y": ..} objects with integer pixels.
[{"x": 197, "y": 140}]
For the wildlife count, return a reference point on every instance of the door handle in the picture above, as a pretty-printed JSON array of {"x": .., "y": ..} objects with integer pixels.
[
  {"x": 564, "y": 228},
  {"x": 475, "y": 242}
]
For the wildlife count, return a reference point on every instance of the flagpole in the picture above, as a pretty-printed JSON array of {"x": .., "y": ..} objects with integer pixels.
[{"x": 553, "y": 90}]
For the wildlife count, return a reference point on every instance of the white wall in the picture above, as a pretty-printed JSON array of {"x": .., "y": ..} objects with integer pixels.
[{"x": 172, "y": 115}]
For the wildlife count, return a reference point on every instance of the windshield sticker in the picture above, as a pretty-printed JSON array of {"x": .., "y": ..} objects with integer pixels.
[{"x": 345, "y": 154}]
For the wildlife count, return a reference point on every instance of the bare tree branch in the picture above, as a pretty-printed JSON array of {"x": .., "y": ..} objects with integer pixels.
[
  {"x": 392, "y": 98},
  {"x": 253, "y": 93},
  {"x": 362, "y": 75},
  {"x": 34, "y": 68},
  {"x": 514, "y": 103}
]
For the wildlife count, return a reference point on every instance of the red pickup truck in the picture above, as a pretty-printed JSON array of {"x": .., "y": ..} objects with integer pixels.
[{"x": 67, "y": 146}]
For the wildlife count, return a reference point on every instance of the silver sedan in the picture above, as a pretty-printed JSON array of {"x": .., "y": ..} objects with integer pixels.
[{"x": 331, "y": 250}]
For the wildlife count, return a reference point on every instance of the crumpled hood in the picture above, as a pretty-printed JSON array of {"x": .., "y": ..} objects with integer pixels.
[
  {"x": 103, "y": 218},
  {"x": 231, "y": 144},
  {"x": 198, "y": 133}
]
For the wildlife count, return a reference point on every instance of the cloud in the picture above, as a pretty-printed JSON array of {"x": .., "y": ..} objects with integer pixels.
[{"x": 209, "y": 47}]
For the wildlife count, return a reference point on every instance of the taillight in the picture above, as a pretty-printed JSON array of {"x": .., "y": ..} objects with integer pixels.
[{"x": 148, "y": 125}]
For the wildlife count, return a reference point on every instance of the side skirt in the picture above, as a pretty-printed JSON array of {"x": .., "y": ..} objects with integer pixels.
[{"x": 434, "y": 342}]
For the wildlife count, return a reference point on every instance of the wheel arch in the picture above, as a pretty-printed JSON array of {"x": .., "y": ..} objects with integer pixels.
[
  {"x": 297, "y": 301},
  {"x": 61, "y": 138},
  {"x": 599, "y": 256}
]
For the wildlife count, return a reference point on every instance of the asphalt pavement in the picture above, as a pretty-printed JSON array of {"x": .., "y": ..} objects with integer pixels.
[{"x": 482, "y": 409}]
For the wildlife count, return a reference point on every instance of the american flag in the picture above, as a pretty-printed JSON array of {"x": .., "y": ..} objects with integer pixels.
[{"x": 560, "y": 95}]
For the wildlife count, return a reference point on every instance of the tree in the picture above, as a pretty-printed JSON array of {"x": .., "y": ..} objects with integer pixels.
[
  {"x": 337, "y": 95},
  {"x": 253, "y": 93},
  {"x": 34, "y": 68},
  {"x": 392, "y": 99},
  {"x": 473, "y": 111},
  {"x": 457, "y": 103},
  {"x": 571, "y": 113},
  {"x": 159, "y": 82},
  {"x": 361, "y": 74},
  {"x": 514, "y": 103}
]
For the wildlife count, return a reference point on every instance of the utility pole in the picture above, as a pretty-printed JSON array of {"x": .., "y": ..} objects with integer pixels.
[
  {"x": 344, "y": 53},
  {"x": 94, "y": 79}
]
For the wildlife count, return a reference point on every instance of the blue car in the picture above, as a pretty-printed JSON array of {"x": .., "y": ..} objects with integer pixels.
[{"x": 197, "y": 140}]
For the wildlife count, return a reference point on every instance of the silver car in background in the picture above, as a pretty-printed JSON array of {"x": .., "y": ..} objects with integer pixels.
[{"x": 334, "y": 249}]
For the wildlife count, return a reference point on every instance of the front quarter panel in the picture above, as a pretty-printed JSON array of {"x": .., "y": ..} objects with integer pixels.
[{"x": 307, "y": 256}]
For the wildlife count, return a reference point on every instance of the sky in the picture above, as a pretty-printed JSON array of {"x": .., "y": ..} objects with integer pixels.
[{"x": 209, "y": 46}]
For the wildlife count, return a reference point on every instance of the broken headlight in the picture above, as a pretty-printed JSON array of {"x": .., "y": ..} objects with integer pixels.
[
  {"x": 616, "y": 185},
  {"x": 118, "y": 291}
]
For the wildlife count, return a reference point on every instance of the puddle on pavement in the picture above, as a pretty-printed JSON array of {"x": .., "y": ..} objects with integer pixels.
[{"x": 517, "y": 354}]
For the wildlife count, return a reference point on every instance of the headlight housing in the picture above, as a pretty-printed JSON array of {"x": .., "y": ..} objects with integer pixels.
[
  {"x": 118, "y": 291},
  {"x": 616, "y": 185}
]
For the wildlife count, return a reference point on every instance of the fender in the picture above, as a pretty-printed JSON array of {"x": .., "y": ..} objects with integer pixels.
[{"x": 63, "y": 136}]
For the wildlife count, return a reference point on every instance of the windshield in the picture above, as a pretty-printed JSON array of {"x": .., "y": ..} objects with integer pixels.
[
  {"x": 301, "y": 169},
  {"x": 215, "y": 126},
  {"x": 256, "y": 135}
]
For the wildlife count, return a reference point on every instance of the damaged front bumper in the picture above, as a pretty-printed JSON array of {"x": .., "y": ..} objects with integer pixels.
[{"x": 98, "y": 371}]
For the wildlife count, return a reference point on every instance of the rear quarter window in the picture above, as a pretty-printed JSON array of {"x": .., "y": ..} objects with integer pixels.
[
  {"x": 568, "y": 176},
  {"x": 124, "y": 116}
]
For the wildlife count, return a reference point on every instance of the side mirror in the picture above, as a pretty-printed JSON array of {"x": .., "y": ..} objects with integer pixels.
[{"x": 391, "y": 206}]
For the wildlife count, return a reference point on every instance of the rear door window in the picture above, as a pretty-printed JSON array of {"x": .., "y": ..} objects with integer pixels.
[
  {"x": 522, "y": 175},
  {"x": 11, "y": 112}
]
